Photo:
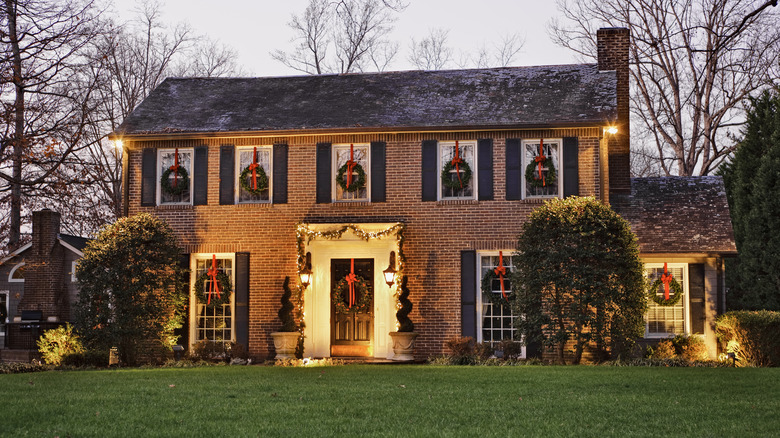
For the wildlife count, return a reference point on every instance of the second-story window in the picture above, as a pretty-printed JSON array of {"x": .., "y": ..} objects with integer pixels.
[
  {"x": 542, "y": 176},
  {"x": 174, "y": 178},
  {"x": 354, "y": 187},
  {"x": 458, "y": 168},
  {"x": 254, "y": 187}
]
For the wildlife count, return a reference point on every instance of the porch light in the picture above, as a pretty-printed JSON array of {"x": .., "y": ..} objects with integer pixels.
[
  {"x": 305, "y": 273},
  {"x": 611, "y": 130},
  {"x": 118, "y": 143},
  {"x": 389, "y": 273}
]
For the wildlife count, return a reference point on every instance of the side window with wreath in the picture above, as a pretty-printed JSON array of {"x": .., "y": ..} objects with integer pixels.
[
  {"x": 457, "y": 169},
  {"x": 254, "y": 174},
  {"x": 175, "y": 182},
  {"x": 542, "y": 176},
  {"x": 351, "y": 177}
]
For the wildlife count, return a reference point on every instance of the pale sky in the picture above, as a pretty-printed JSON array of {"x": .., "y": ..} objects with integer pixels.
[{"x": 255, "y": 28}]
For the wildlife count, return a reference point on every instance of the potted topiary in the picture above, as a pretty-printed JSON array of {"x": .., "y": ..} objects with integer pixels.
[
  {"x": 286, "y": 339},
  {"x": 403, "y": 339}
]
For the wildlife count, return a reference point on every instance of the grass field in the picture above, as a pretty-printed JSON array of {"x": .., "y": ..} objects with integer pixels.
[{"x": 372, "y": 400}]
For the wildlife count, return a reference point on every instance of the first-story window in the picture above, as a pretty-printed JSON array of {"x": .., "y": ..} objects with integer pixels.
[
  {"x": 542, "y": 176},
  {"x": 210, "y": 322},
  {"x": 454, "y": 181},
  {"x": 259, "y": 190},
  {"x": 496, "y": 322},
  {"x": 356, "y": 190},
  {"x": 667, "y": 321},
  {"x": 174, "y": 177}
]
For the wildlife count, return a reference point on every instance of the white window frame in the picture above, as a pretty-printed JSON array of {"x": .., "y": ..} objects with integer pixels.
[
  {"x": 480, "y": 310},
  {"x": 73, "y": 271},
  {"x": 440, "y": 166},
  {"x": 268, "y": 172},
  {"x": 194, "y": 258},
  {"x": 11, "y": 278},
  {"x": 159, "y": 173},
  {"x": 335, "y": 170},
  {"x": 685, "y": 300},
  {"x": 7, "y": 307},
  {"x": 524, "y": 163}
]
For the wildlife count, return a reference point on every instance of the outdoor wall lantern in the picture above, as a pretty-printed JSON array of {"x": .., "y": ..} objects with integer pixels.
[
  {"x": 611, "y": 130},
  {"x": 389, "y": 273},
  {"x": 305, "y": 273}
]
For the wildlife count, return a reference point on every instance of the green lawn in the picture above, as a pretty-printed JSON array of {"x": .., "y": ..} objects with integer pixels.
[{"x": 393, "y": 401}]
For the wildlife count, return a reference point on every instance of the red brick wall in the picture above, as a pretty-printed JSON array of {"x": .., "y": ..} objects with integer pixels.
[
  {"x": 613, "y": 46},
  {"x": 436, "y": 231}
]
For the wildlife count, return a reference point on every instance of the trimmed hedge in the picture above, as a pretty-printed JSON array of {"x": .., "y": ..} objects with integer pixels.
[{"x": 754, "y": 336}]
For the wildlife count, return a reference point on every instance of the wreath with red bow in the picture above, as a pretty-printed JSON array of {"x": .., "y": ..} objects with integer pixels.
[
  {"x": 216, "y": 299},
  {"x": 340, "y": 296},
  {"x": 506, "y": 297},
  {"x": 260, "y": 181},
  {"x": 532, "y": 177},
  {"x": 661, "y": 300},
  {"x": 356, "y": 181},
  {"x": 182, "y": 183}
]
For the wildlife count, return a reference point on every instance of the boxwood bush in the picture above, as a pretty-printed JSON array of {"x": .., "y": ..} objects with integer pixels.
[{"x": 753, "y": 336}]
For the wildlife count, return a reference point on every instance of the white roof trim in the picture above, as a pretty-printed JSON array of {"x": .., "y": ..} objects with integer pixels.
[
  {"x": 16, "y": 253},
  {"x": 70, "y": 247}
]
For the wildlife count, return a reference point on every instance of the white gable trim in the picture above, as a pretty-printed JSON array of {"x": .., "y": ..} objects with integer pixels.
[
  {"x": 70, "y": 247},
  {"x": 16, "y": 253}
]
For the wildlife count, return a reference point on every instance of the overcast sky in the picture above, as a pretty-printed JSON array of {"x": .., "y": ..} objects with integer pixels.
[{"x": 255, "y": 28}]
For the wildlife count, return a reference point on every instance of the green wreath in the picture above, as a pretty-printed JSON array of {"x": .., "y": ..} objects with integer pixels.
[
  {"x": 675, "y": 287},
  {"x": 357, "y": 182},
  {"x": 260, "y": 176},
  {"x": 181, "y": 186},
  {"x": 532, "y": 171},
  {"x": 225, "y": 289},
  {"x": 455, "y": 183},
  {"x": 497, "y": 298},
  {"x": 340, "y": 296}
]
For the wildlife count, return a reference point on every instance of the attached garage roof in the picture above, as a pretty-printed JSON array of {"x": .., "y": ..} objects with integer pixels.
[
  {"x": 512, "y": 97},
  {"x": 679, "y": 215}
]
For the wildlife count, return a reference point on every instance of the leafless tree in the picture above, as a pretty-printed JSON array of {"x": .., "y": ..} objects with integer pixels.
[
  {"x": 499, "y": 54},
  {"x": 692, "y": 65},
  {"x": 431, "y": 52},
  {"x": 46, "y": 100},
  {"x": 341, "y": 37}
]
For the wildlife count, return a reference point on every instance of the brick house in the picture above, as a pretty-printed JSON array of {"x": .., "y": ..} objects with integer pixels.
[
  {"x": 402, "y": 128},
  {"x": 38, "y": 285}
]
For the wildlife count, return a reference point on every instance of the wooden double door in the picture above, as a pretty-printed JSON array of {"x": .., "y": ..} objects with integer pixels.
[{"x": 352, "y": 333}]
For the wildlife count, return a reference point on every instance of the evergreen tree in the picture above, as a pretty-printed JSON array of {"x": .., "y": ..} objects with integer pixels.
[{"x": 753, "y": 189}]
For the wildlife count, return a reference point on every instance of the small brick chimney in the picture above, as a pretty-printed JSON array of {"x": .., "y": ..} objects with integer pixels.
[
  {"x": 44, "y": 276},
  {"x": 613, "y": 46}
]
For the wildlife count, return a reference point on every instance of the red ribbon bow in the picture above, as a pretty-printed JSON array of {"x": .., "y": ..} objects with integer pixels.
[
  {"x": 175, "y": 167},
  {"x": 501, "y": 271},
  {"x": 253, "y": 167},
  {"x": 540, "y": 159},
  {"x": 350, "y": 164},
  {"x": 212, "y": 273},
  {"x": 456, "y": 162},
  {"x": 351, "y": 279},
  {"x": 666, "y": 279}
]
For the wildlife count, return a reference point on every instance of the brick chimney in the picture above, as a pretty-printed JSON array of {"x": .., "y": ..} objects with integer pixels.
[
  {"x": 613, "y": 45},
  {"x": 44, "y": 276}
]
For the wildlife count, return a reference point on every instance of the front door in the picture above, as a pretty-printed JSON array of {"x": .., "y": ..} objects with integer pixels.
[{"x": 352, "y": 324}]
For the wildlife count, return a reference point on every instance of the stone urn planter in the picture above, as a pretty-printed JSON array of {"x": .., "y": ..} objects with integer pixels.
[
  {"x": 285, "y": 344},
  {"x": 403, "y": 345}
]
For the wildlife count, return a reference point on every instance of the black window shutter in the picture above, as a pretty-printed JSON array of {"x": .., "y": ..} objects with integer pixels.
[
  {"x": 183, "y": 332},
  {"x": 485, "y": 171},
  {"x": 280, "y": 174},
  {"x": 513, "y": 169},
  {"x": 468, "y": 293},
  {"x": 149, "y": 177},
  {"x": 429, "y": 170},
  {"x": 378, "y": 172},
  {"x": 242, "y": 299},
  {"x": 227, "y": 171},
  {"x": 571, "y": 178},
  {"x": 323, "y": 173},
  {"x": 200, "y": 172},
  {"x": 697, "y": 297}
]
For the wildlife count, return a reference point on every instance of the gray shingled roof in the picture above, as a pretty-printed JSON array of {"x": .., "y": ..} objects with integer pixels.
[
  {"x": 679, "y": 215},
  {"x": 499, "y": 97}
]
